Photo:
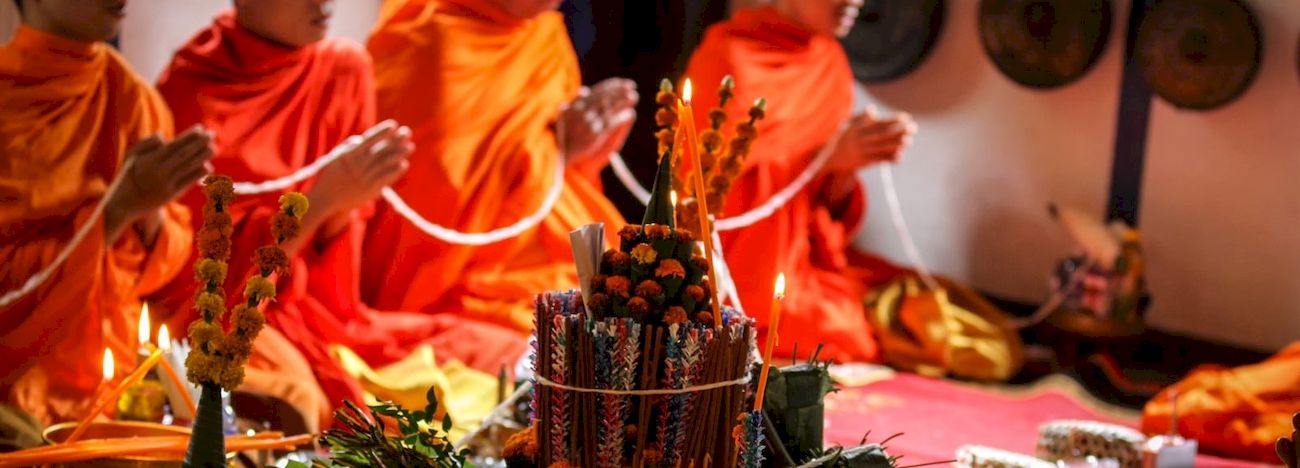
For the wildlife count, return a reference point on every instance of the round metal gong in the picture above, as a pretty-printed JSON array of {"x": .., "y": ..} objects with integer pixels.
[
  {"x": 892, "y": 37},
  {"x": 1198, "y": 54},
  {"x": 1044, "y": 43}
]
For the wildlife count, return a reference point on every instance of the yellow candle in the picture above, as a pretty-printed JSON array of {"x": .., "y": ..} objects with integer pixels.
[
  {"x": 692, "y": 144},
  {"x": 144, "y": 332},
  {"x": 131, "y": 379},
  {"x": 772, "y": 326}
]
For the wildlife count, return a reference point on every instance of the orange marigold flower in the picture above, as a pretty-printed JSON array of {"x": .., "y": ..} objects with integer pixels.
[
  {"x": 683, "y": 236},
  {"x": 209, "y": 272},
  {"x": 675, "y": 315},
  {"x": 219, "y": 222},
  {"x": 598, "y": 282},
  {"x": 658, "y": 231},
  {"x": 644, "y": 254},
  {"x": 638, "y": 306},
  {"x": 618, "y": 286},
  {"x": 216, "y": 247},
  {"x": 717, "y": 117},
  {"x": 695, "y": 292},
  {"x": 522, "y": 445},
  {"x": 284, "y": 227},
  {"x": 665, "y": 97},
  {"x": 745, "y": 132},
  {"x": 629, "y": 233},
  {"x": 220, "y": 189},
  {"x": 649, "y": 288},
  {"x": 670, "y": 268},
  {"x": 652, "y": 457},
  {"x": 711, "y": 140},
  {"x": 700, "y": 262},
  {"x": 271, "y": 259},
  {"x": 704, "y": 317},
  {"x": 620, "y": 261},
  {"x": 598, "y": 301},
  {"x": 664, "y": 117},
  {"x": 559, "y": 464}
]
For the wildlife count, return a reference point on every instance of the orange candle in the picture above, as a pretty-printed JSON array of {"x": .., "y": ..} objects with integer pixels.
[
  {"x": 692, "y": 144},
  {"x": 165, "y": 345},
  {"x": 100, "y": 403},
  {"x": 772, "y": 325}
]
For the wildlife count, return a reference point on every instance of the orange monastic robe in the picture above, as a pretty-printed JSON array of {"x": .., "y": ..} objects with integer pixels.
[
  {"x": 69, "y": 111},
  {"x": 1237, "y": 412},
  {"x": 274, "y": 109},
  {"x": 809, "y": 88},
  {"x": 480, "y": 90}
]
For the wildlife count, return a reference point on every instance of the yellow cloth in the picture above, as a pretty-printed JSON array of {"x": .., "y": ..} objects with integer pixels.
[
  {"x": 952, "y": 330},
  {"x": 463, "y": 392}
]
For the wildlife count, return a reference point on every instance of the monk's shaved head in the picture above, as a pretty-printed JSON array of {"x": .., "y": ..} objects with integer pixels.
[
  {"x": 830, "y": 17},
  {"x": 295, "y": 23},
  {"x": 82, "y": 20}
]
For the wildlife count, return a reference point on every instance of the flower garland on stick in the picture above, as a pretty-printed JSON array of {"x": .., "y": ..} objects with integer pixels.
[{"x": 218, "y": 357}]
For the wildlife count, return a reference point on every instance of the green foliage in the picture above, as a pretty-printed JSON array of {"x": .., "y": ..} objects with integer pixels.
[{"x": 367, "y": 440}]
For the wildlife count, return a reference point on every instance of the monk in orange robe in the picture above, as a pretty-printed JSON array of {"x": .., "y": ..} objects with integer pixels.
[
  {"x": 73, "y": 118},
  {"x": 278, "y": 96},
  {"x": 787, "y": 53},
  {"x": 1238, "y": 412},
  {"x": 482, "y": 84}
]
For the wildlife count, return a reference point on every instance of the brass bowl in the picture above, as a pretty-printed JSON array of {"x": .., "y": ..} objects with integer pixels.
[{"x": 120, "y": 430}]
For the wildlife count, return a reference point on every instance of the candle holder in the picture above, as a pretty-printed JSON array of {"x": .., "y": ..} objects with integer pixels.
[{"x": 120, "y": 430}]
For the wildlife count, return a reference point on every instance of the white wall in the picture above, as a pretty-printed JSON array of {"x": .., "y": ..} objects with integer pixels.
[
  {"x": 154, "y": 29},
  {"x": 1220, "y": 209}
]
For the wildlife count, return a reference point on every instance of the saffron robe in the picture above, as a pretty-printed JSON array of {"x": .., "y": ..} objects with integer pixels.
[
  {"x": 69, "y": 111},
  {"x": 1238, "y": 412},
  {"x": 273, "y": 110},
  {"x": 480, "y": 91}
]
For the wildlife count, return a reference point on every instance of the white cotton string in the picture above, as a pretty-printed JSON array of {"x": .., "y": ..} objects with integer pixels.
[
  {"x": 37, "y": 279},
  {"x": 754, "y": 215},
  {"x": 658, "y": 391},
  {"x": 726, "y": 282},
  {"x": 307, "y": 172},
  {"x": 629, "y": 181},
  {"x": 900, "y": 228}
]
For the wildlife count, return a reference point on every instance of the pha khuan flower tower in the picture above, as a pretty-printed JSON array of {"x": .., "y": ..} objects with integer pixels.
[
  {"x": 218, "y": 356},
  {"x": 641, "y": 372}
]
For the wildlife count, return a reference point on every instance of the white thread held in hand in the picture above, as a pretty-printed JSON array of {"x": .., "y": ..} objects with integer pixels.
[
  {"x": 658, "y": 391},
  {"x": 37, "y": 279}
]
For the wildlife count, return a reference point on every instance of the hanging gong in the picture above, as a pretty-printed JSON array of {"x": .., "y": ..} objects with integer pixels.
[
  {"x": 1198, "y": 54},
  {"x": 892, "y": 37},
  {"x": 1044, "y": 43}
]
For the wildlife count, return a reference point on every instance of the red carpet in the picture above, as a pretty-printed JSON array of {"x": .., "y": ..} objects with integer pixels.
[{"x": 937, "y": 416}]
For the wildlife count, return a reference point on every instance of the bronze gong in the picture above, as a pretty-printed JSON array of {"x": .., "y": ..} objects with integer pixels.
[
  {"x": 892, "y": 37},
  {"x": 1044, "y": 43},
  {"x": 1198, "y": 54}
]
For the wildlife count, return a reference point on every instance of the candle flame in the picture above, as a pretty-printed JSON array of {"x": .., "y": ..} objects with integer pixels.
[
  {"x": 144, "y": 324},
  {"x": 780, "y": 287},
  {"x": 673, "y": 194},
  {"x": 164, "y": 339},
  {"x": 686, "y": 91},
  {"x": 108, "y": 364}
]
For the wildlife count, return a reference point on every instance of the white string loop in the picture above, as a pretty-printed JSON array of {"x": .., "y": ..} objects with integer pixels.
[{"x": 658, "y": 391}]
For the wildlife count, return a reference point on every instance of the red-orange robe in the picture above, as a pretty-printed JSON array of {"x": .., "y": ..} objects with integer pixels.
[
  {"x": 480, "y": 90},
  {"x": 1238, "y": 412},
  {"x": 274, "y": 109},
  {"x": 806, "y": 80},
  {"x": 69, "y": 111}
]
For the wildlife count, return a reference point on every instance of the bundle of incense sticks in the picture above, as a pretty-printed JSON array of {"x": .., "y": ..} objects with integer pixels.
[{"x": 680, "y": 426}]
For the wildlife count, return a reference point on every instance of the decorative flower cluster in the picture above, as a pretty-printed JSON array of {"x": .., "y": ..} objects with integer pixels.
[
  {"x": 655, "y": 276},
  {"x": 667, "y": 119},
  {"x": 219, "y": 357},
  {"x": 721, "y": 161}
]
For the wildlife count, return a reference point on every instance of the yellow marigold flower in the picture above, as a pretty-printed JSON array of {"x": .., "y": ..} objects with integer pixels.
[
  {"x": 294, "y": 203},
  {"x": 232, "y": 375},
  {"x": 248, "y": 321},
  {"x": 210, "y": 272},
  {"x": 745, "y": 131},
  {"x": 205, "y": 336},
  {"x": 618, "y": 286},
  {"x": 711, "y": 140},
  {"x": 670, "y": 268},
  {"x": 683, "y": 236},
  {"x": 285, "y": 227},
  {"x": 630, "y": 232},
  {"x": 236, "y": 347},
  {"x": 644, "y": 254},
  {"x": 211, "y": 305},
  {"x": 201, "y": 367},
  {"x": 259, "y": 288},
  {"x": 717, "y": 117},
  {"x": 665, "y": 97},
  {"x": 219, "y": 189}
]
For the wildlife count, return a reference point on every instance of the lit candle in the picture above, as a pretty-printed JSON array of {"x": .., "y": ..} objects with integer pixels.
[
  {"x": 144, "y": 332},
  {"x": 165, "y": 345},
  {"x": 692, "y": 145},
  {"x": 774, "y": 320},
  {"x": 100, "y": 403},
  {"x": 99, "y": 399}
]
